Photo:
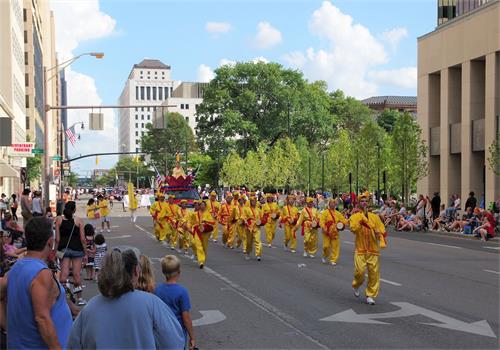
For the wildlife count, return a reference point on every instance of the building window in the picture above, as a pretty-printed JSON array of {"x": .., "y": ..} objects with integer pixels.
[
  {"x": 142, "y": 109},
  {"x": 166, "y": 92},
  {"x": 148, "y": 93},
  {"x": 26, "y": 59},
  {"x": 149, "y": 118},
  {"x": 147, "y": 109},
  {"x": 25, "y": 17},
  {"x": 26, "y": 79},
  {"x": 25, "y": 37},
  {"x": 196, "y": 119},
  {"x": 187, "y": 119},
  {"x": 156, "y": 72},
  {"x": 142, "y": 117},
  {"x": 142, "y": 125},
  {"x": 27, "y": 101},
  {"x": 27, "y": 123},
  {"x": 162, "y": 73},
  {"x": 137, "y": 149},
  {"x": 171, "y": 91},
  {"x": 136, "y": 109},
  {"x": 137, "y": 133},
  {"x": 160, "y": 93},
  {"x": 136, "y": 117},
  {"x": 154, "y": 93},
  {"x": 136, "y": 125},
  {"x": 136, "y": 141},
  {"x": 136, "y": 93},
  {"x": 142, "y": 93},
  {"x": 141, "y": 71},
  {"x": 182, "y": 105},
  {"x": 187, "y": 106}
]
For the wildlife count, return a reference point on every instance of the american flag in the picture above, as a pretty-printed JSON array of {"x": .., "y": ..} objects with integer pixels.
[{"x": 71, "y": 135}]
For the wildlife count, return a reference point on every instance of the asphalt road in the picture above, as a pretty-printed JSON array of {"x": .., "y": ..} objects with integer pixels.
[{"x": 436, "y": 292}]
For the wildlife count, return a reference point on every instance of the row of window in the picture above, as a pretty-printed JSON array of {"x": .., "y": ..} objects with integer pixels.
[
  {"x": 142, "y": 117},
  {"x": 153, "y": 93},
  {"x": 184, "y": 105}
]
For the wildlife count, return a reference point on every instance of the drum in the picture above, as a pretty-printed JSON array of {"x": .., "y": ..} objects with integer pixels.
[
  {"x": 201, "y": 228},
  {"x": 314, "y": 224},
  {"x": 340, "y": 226},
  {"x": 274, "y": 216}
]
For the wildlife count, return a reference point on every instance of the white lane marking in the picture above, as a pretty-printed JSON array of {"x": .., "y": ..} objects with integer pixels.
[
  {"x": 444, "y": 245},
  {"x": 122, "y": 236},
  {"x": 406, "y": 309},
  {"x": 496, "y": 248},
  {"x": 282, "y": 317},
  {"x": 491, "y": 271},
  {"x": 389, "y": 282},
  {"x": 209, "y": 317}
]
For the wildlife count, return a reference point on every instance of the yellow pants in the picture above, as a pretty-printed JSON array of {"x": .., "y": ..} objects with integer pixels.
[
  {"x": 311, "y": 241},
  {"x": 215, "y": 232},
  {"x": 184, "y": 239},
  {"x": 201, "y": 247},
  {"x": 253, "y": 238},
  {"x": 156, "y": 230},
  {"x": 371, "y": 263},
  {"x": 239, "y": 233},
  {"x": 331, "y": 248},
  {"x": 174, "y": 236},
  {"x": 242, "y": 238},
  {"x": 290, "y": 237},
  {"x": 270, "y": 229},
  {"x": 164, "y": 231},
  {"x": 226, "y": 233}
]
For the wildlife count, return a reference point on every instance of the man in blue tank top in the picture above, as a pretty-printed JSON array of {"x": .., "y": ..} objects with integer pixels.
[{"x": 38, "y": 315}]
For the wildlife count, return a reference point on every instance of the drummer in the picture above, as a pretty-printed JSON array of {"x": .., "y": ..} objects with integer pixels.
[
  {"x": 253, "y": 221},
  {"x": 309, "y": 223},
  {"x": 331, "y": 222}
]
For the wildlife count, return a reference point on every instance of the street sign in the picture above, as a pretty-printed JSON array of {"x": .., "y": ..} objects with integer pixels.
[
  {"x": 21, "y": 149},
  {"x": 57, "y": 157},
  {"x": 37, "y": 151}
]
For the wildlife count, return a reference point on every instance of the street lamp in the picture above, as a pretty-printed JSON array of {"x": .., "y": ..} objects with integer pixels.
[{"x": 47, "y": 107}]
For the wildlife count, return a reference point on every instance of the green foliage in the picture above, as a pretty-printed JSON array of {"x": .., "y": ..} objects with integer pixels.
[
  {"x": 349, "y": 113},
  {"x": 494, "y": 155},
  {"x": 72, "y": 179},
  {"x": 206, "y": 169},
  {"x": 252, "y": 103},
  {"x": 233, "y": 170},
  {"x": 33, "y": 168},
  {"x": 387, "y": 119},
  {"x": 175, "y": 138},
  {"x": 130, "y": 168}
]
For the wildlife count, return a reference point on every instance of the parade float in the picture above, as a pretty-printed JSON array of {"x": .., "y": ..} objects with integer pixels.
[{"x": 180, "y": 184}]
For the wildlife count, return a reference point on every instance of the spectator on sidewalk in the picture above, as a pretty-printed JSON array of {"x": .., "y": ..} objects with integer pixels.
[
  {"x": 122, "y": 317},
  {"x": 38, "y": 315},
  {"x": 13, "y": 207},
  {"x": 487, "y": 230},
  {"x": 471, "y": 202},
  {"x": 26, "y": 206},
  {"x": 37, "y": 204},
  {"x": 146, "y": 281},
  {"x": 176, "y": 296},
  {"x": 3, "y": 205},
  {"x": 435, "y": 204}
]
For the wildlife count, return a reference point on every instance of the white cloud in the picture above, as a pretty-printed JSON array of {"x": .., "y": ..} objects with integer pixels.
[
  {"x": 205, "y": 73},
  {"x": 260, "y": 59},
  {"x": 267, "y": 36},
  {"x": 217, "y": 28},
  {"x": 394, "y": 36},
  {"x": 76, "y": 22},
  {"x": 225, "y": 61},
  {"x": 351, "y": 52},
  {"x": 403, "y": 77}
]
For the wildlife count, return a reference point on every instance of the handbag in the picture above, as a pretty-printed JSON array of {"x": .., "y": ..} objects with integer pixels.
[{"x": 60, "y": 253}]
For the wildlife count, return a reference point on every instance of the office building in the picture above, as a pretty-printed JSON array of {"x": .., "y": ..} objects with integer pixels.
[
  {"x": 459, "y": 100},
  {"x": 149, "y": 84}
]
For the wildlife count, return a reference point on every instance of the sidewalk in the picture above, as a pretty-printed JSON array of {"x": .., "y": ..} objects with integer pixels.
[{"x": 392, "y": 231}]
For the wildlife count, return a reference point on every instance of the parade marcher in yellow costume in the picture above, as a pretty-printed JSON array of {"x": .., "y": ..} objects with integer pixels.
[
  {"x": 289, "y": 217},
  {"x": 370, "y": 236},
  {"x": 132, "y": 202},
  {"x": 271, "y": 213},
  {"x": 169, "y": 216},
  {"x": 182, "y": 227},
  {"x": 92, "y": 209},
  {"x": 202, "y": 224},
  {"x": 103, "y": 205},
  {"x": 225, "y": 216},
  {"x": 213, "y": 207},
  {"x": 155, "y": 210},
  {"x": 253, "y": 220},
  {"x": 329, "y": 220},
  {"x": 239, "y": 229},
  {"x": 309, "y": 223}
]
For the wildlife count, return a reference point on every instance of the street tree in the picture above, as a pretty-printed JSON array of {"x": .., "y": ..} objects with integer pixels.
[
  {"x": 233, "y": 170},
  {"x": 387, "y": 119},
  {"x": 408, "y": 153},
  {"x": 164, "y": 144},
  {"x": 349, "y": 113},
  {"x": 33, "y": 168},
  {"x": 494, "y": 155},
  {"x": 339, "y": 162}
]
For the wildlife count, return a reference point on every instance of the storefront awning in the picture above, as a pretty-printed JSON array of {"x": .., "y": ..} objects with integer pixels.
[{"x": 7, "y": 170}]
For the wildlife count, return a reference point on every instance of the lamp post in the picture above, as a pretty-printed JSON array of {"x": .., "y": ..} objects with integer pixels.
[{"x": 47, "y": 108}]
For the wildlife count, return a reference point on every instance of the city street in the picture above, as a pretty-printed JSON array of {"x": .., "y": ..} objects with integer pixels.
[{"x": 436, "y": 292}]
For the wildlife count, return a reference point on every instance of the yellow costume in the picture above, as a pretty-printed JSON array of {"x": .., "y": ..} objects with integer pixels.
[
  {"x": 201, "y": 226},
  {"x": 132, "y": 201},
  {"x": 239, "y": 228},
  {"x": 251, "y": 216},
  {"x": 91, "y": 211},
  {"x": 156, "y": 208},
  {"x": 183, "y": 229},
  {"x": 214, "y": 207},
  {"x": 168, "y": 217},
  {"x": 368, "y": 230},
  {"x": 270, "y": 209},
  {"x": 289, "y": 217},
  {"x": 103, "y": 208},
  {"x": 226, "y": 214},
  {"x": 331, "y": 241},
  {"x": 309, "y": 217}
]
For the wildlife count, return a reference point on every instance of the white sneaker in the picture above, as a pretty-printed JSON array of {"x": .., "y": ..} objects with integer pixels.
[
  {"x": 356, "y": 292},
  {"x": 258, "y": 258},
  {"x": 269, "y": 245},
  {"x": 81, "y": 302},
  {"x": 311, "y": 256},
  {"x": 173, "y": 248},
  {"x": 333, "y": 263},
  {"x": 101, "y": 230},
  {"x": 305, "y": 255},
  {"x": 323, "y": 260},
  {"x": 292, "y": 251},
  {"x": 108, "y": 230},
  {"x": 247, "y": 257},
  {"x": 370, "y": 301}
]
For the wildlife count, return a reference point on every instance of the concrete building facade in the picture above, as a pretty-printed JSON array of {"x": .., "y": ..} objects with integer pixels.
[
  {"x": 149, "y": 84},
  {"x": 459, "y": 102},
  {"x": 12, "y": 92}
]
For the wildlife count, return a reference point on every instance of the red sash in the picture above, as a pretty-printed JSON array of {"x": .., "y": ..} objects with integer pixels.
[
  {"x": 330, "y": 223},
  {"x": 310, "y": 219}
]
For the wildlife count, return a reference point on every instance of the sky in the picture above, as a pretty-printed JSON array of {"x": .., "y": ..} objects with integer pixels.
[{"x": 364, "y": 47}]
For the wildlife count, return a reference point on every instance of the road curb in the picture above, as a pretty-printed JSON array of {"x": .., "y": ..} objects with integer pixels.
[{"x": 444, "y": 233}]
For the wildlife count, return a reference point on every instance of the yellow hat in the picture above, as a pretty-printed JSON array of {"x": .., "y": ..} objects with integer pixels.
[
  {"x": 213, "y": 193},
  {"x": 253, "y": 198},
  {"x": 269, "y": 195},
  {"x": 184, "y": 201},
  {"x": 364, "y": 195},
  {"x": 161, "y": 195},
  {"x": 309, "y": 200},
  {"x": 236, "y": 194}
]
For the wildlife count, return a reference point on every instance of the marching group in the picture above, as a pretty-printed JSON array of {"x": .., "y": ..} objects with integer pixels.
[{"x": 242, "y": 217}]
